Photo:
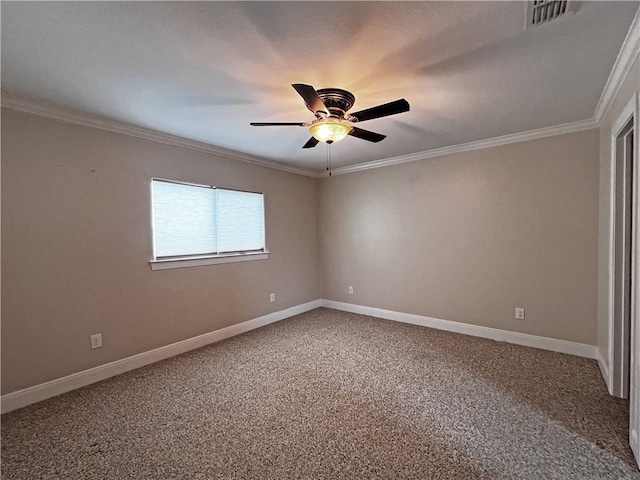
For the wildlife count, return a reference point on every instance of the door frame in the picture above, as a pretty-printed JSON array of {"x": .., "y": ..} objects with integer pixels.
[
  {"x": 615, "y": 379},
  {"x": 624, "y": 226},
  {"x": 634, "y": 391}
]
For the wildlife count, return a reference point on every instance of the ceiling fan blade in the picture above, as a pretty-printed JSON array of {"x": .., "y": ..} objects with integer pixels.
[
  {"x": 366, "y": 135},
  {"x": 278, "y": 124},
  {"x": 311, "y": 97},
  {"x": 311, "y": 143},
  {"x": 385, "y": 110}
]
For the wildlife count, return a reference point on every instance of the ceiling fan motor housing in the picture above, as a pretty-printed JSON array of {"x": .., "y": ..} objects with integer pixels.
[{"x": 337, "y": 101}]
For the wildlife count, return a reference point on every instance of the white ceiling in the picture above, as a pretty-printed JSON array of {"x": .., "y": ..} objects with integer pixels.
[{"x": 204, "y": 70}]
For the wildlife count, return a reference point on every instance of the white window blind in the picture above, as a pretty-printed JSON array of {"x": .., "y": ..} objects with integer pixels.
[
  {"x": 240, "y": 221},
  {"x": 199, "y": 220}
]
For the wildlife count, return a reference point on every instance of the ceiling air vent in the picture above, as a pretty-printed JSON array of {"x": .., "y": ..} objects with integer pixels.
[{"x": 543, "y": 11}]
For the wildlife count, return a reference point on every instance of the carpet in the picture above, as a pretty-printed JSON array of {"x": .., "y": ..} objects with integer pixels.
[{"x": 332, "y": 395}]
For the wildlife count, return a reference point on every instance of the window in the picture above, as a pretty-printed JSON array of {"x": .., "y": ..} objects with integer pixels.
[{"x": 201, "y": 225}]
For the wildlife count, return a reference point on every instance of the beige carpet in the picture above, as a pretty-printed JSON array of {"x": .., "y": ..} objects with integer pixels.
[{"x": 332, "y": 395}]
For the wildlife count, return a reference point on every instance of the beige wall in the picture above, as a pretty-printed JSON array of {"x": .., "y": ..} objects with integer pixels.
[
  {"x": 624, "y": 95},
  {"x": 77, "y": 241},
  {"x": 465, "y": 237},
  {"x": 469, "y": 237}
]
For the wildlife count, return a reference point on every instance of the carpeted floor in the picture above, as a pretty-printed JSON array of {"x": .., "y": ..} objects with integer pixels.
[{"x": 332, "y": 395}]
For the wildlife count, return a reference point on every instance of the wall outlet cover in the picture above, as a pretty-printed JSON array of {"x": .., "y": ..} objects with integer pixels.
[{"x": 96, "y": 340}]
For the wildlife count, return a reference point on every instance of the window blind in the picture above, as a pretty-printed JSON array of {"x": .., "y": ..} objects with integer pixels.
[
  {"x": 240, "y": 221},
  {"x": 193, "y": 220}
]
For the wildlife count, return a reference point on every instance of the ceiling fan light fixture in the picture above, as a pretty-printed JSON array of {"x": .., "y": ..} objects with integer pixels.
[
  {"x": 332, "y": 123},
  {"x": 329, "y": 130}
]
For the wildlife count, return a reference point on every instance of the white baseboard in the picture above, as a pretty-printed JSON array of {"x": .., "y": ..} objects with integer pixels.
[
  {"x": 604, "y": 370},
  {"x": 37, "y": 393},
  {"x": 545, "y": 343},
  {"x": 633, "y": 443}
]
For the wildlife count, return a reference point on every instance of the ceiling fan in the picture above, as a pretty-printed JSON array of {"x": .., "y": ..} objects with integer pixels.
[{"x": 333, "y": 123}]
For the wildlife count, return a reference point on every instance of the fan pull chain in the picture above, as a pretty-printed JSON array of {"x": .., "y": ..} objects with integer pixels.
[{"x": 329, "y": 158}]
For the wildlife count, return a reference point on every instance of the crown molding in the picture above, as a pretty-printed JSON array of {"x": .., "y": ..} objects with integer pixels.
[
  {"x": 73, "y": 116},
  {"x": 628, "y": 53},
  {"x": 477, "y": 145}
]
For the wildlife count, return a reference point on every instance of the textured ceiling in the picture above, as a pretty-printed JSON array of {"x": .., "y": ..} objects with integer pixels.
[{"x": 204, "y": 70}]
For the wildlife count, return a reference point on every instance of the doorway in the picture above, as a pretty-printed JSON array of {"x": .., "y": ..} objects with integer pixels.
[{"x": 624, "y": 324}]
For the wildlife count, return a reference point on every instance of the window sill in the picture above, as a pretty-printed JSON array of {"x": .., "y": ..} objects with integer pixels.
[{"x": 169, "y": 263}]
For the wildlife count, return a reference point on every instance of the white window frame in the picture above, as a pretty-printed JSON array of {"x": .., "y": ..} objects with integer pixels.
[{"x": 165, "y": 263}]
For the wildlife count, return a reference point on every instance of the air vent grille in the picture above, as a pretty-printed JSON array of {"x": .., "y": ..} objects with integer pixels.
[{"x": 543, "y": 11}]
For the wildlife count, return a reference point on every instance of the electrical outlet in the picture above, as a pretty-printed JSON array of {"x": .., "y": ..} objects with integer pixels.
[
  {"x": 520, "y": 313},
  {"x": 350, "y": 290},
  {"x": 96, "y": 340},
  {"x": 272, "y": 297}
]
